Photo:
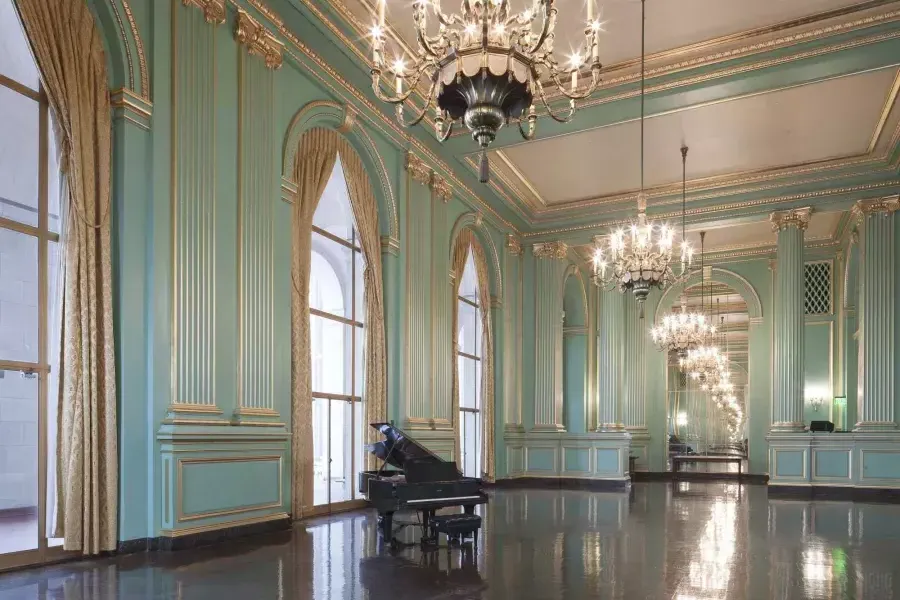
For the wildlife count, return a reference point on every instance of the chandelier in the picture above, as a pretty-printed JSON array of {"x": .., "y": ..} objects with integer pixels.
[
  {"x": 484, "y": 67},
  {"x": 641, "y": 258},
  {"x": 684, "y": 331},
  {"x": 704, "y": 363}
]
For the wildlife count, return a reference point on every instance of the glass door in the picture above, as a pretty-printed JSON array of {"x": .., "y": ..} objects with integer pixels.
[{"x": 29, "y": 239}]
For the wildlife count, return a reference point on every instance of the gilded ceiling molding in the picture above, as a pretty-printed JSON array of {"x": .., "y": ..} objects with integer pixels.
[
  {"x": 795, "y": 217},
  {"x": 551, "y": 250},
  {"x": 258, "y": 40},
  {"x": 139, "y": 46},
  {"x": 513, "y": 245},
  {"x": 418, "y": 170},
  {"x": 877, "y": 206},
  {"x": 213, "y": 10},
  {"x": 441, "y": 188}
]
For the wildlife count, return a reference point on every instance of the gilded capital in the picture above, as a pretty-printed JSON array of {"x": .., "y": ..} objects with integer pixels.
[
  {"x": 441, "y": 188},
  {"x": 513, "y": 245},
  {"x": 417, "y": 168},
  {"x": 877, "y": 206},
  {"x": 796, "y": 217},
  {"x": 552, "y": 250},
  {"x": 213, "y": 10},
  {"x": 258, "y": 40}
]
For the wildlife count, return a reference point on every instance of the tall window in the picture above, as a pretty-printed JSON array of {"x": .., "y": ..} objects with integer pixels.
[
  {"x": 29, "y": 240},
  {"x": 469, "y": 365},
  {"x": 336, "y": 341}
]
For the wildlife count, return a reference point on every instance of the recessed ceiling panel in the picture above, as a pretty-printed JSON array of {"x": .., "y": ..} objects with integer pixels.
[{"x": 826, "y": 120}]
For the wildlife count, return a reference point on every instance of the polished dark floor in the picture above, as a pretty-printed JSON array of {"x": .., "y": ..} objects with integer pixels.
[{"x": 684, "y": 541}]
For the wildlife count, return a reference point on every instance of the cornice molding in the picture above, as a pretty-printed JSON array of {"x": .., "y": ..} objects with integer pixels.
[
  {"x": 258, "y": 40},
  {"x": 551, "y": 250},
  {"x": 213, "y": 10},
  {"x": 417, "y": 169},
  {"x": 796, "y": 217}
]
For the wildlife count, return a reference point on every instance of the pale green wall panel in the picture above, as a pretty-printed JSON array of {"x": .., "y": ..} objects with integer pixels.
[
  {"x": 574, "y": 365},
  {"x": 236, "y": 485},
  {"x": 881, "y": 464},
  {"x": 817, "y": 358},
  {"x": 576, "y": 460},
  {"x": 607, "y": 461},
  {"x": 831, "y": 463},
  {"x": 789, "y": 463},
  {"x": 539, "y": 460}
]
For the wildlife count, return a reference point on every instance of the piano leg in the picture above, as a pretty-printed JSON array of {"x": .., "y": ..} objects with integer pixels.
[
  {"x": 470, "y": 509},
  {"x": 387, "y": 526},
  {"x": 426, "y": 518}
]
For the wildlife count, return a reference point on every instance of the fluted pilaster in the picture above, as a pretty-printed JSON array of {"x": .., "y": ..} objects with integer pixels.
[
  {"x": 787, "y": 412},
  {"x": 549, "y": 265},
  {"x": 612, "y": 354},
  {"x": 634, "y": 413},
  {"x": 877, "y": 325}
]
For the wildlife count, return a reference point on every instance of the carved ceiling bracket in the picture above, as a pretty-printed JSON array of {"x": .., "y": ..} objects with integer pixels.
[
  {"x": 417, "y": 168},
  {"x": 213, "y": 10},
  {"x": 258, "y": 40},
  {"x": 552, "y": 250},
  {"x": 514, "y": 245}
]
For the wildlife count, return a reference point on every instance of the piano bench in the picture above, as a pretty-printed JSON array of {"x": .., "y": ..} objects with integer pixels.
[{"x": 458, "y": 526}]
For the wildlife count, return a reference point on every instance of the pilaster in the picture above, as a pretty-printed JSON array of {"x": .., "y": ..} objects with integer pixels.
[
  {"x": 512, "y": 339},
  {"x": 789, "y": 320},
  {"x": 878, "y": 316},
  {"x": 550, "y": 266},
  {"x": 611, "y": 359},
  {"x": 634, "y": 412}
]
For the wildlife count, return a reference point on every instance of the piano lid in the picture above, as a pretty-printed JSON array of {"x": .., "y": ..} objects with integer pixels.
[{"x": 399, "y": 447}]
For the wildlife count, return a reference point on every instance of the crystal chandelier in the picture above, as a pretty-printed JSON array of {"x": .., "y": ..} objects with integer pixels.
[
  {"x": 641, "y": 258},
  {"x": 704, "y": 363},
  {"x": 682, "y": 331},
  {"x": 485, "y": 66}
]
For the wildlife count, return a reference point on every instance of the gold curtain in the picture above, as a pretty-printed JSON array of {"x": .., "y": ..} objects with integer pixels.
[
  {"x": 365, "y": 212},
  {"x": 314, "y": 163},
  {"x": 467, "y": 242},
  {"x": 69, "y": 54}
]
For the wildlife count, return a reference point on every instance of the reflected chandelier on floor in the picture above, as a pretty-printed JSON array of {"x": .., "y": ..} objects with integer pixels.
[
  {"x": 642, "y": 258},
  {"x": 484, "y": 67}
]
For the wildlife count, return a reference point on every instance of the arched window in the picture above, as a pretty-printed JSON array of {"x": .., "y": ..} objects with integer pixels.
[
  {"x": 469, "y": 365},
  {"x": 29, "y": 297},
  {"x": 336, "y": 344}
]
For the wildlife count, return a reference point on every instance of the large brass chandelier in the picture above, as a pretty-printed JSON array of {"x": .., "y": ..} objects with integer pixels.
[
  {"x": 484, "y": 66},
  {"x": 683, "y": 331},
  {"x": 643, "y": 257}
]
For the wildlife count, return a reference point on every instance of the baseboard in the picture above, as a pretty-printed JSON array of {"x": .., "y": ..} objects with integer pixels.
[
  {"x": 563, "y": 483},
  {"x": 834, "y": 492},
  {"x": 196, "y": 540},
  {"x": 642, "y": 476}
]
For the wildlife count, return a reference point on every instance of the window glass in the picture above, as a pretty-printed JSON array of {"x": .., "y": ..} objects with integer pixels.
[
  {"x": 467, "y": 285},
  {"x": 18, "y": 156},
  {"x": 330, "y": 342},
  {"x": 468, "y": 329},
  {"x": 16, "y": 61},
  {"x": 333, "y": 213},
  {"x": 18, "y": 296}
]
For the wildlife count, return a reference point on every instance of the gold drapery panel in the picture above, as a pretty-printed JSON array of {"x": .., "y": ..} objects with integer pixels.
[
  {"x": 467, "y": 242},
  {"x": 314, "y": 163},
  {"x": 69, "y": 53},
  {"x": 318, "y": 152},
  {"x": 365, "y": 211}
]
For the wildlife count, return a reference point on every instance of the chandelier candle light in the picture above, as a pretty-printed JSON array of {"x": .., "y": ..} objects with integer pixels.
[
  {"x": 682, "y": 331},
  {"x": 702, "y": 362},
  {"x": 484, "y": 67},
  {"x": 642, "y": 258}
]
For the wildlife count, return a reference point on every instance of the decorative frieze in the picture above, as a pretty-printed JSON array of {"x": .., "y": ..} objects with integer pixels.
[
  {"x": 258, "y": 40},
  {"x": 417, "y": 168},
  {"x": 796, "y": 217},
  {"x": 213, "y": 10},
  {"x": 441, "y": 188},
  {"x": 551, "y": 250},
  {"x": 513, "y": 245}
]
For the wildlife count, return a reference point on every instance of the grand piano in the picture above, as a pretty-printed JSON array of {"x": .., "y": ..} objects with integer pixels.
[{"x": 418, "y": 480}]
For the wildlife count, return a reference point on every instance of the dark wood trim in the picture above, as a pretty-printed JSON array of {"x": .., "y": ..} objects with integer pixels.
[
  {"x": 563, "y": 483},
  {"x": 837, "y": 493}
]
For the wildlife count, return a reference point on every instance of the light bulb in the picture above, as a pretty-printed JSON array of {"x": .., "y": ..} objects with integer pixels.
[{"x": 399, "y": 66}]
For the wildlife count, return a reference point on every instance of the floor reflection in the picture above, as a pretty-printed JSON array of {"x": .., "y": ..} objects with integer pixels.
[{"x": 685, "y": 540}]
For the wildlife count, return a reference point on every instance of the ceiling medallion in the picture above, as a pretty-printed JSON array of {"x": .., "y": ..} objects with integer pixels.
[
  {"x": 643, "y": 258},
  {"x": 484, "y": 66},
  {"x": 680, "y": 332}
]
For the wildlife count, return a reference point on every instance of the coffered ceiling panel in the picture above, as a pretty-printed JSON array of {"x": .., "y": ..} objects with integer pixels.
[
  {"x": 670, "y": 24},
  {"x": 831, "y": 119}
]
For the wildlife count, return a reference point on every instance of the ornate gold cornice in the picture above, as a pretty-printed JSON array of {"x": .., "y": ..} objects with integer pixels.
[
  {"x": 876, "y": 206},
  {"x": 796, "y": 217},
  {"x": 417, "y": 169},
  {"x": 552, "y": 250},
  {"x": 441, "y": 188},
  {"x": 513, "y": 245},
  {"x": 213, "y": 10},
  {"x": 258, "y": 40}
]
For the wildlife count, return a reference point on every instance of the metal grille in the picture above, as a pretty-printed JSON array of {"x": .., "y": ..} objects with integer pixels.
[{"x": 818, "y": 288}]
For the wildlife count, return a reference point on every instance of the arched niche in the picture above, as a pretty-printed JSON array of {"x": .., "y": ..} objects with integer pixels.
[
  {"x": 126, "y": 62},
  {"x": 475, "y": 222},
  {"x": 718, "y": 275},
  {"x": 575, "y": 303},
  {"x": 341, "y": 118}
]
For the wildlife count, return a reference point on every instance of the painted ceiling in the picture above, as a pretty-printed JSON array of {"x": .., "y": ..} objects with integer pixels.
[{"x": 782, "y": 104}]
